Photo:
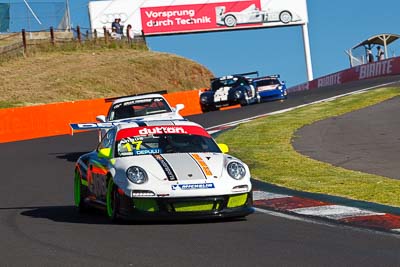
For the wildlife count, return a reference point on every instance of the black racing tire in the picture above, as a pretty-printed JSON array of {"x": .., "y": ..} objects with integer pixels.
[
  {"x": 112, "y": 201},
  {"x": 285, "y": 17},
  {"x": 204, "y": 109},
  {"x": 243, "y": 103},
  {"x": 80, "y": 193},
  {"x": 214, "y": 108},
  {"x": 230, "y": 21}
]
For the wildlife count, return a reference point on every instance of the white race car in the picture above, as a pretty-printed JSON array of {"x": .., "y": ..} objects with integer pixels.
[
  {"x": 162, "y": 170},
  {"x": 147, "y": 106}
]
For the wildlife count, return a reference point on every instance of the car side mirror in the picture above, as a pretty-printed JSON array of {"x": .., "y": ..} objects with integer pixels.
[
  {"x": 101, "y": 118},
  {"x": 224, "y": 148},
  {"x": 179, "y": 107},
  {"x": 104, "y": 153}
]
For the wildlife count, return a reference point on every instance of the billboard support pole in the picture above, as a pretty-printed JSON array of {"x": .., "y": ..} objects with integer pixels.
[{"x": 307, "y": 52}]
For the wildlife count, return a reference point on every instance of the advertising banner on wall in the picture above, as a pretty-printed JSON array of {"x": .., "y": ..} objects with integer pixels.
[{"x": 157, "y": 17}]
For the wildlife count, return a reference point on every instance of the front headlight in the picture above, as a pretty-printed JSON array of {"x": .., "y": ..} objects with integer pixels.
[
  {"x": 136, "y": 175},
  {"x": 236, "y": 170},
  {"x": 203, "y": 99}
]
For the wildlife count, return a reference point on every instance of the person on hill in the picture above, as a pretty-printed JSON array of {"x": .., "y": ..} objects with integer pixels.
[
  {"x": 370, "y": 57},
  {"x": 381, "y": 54}
]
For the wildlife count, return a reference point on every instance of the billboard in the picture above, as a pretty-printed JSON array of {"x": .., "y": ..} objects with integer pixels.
[{"x": 157, "y": 17}]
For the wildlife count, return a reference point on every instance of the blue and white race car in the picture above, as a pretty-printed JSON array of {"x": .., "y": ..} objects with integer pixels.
[
  {"x": 270, "y": 88},
  {"x": 162, "y": 170},
  {"x": 229, "y": 90}
]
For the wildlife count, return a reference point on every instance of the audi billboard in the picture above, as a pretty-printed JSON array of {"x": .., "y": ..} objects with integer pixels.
[{"x": 157, "y": 17}]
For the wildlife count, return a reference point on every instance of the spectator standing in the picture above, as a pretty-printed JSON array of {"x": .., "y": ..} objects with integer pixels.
[
  {"x": 115, "y": 25},
  {"x": 129, "y": 33},
  {"x": 381, "y": 54},
  {"x": 116, "y": 29},
  {"x": 370, "y": 57}
]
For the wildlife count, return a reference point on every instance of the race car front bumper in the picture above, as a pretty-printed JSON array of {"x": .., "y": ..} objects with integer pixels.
[{"x": 229, "y": 206}]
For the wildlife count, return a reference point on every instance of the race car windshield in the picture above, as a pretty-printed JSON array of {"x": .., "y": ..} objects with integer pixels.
[
  {"x": 165, "y": 143},
  {"x": 216, "y": 84},
  {"x": 138, "y": 108},
  {"x": 267, "y": 82}
]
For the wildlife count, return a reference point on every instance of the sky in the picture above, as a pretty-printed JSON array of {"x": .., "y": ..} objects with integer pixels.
[{"x": 334, "y": 26}]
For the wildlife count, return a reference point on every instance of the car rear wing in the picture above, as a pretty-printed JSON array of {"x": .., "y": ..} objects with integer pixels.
[
  {"x": 112, "y": 99},
  {"x": 91, "y": 126},
  {"x": 247, "y": 73},
  {"x": 238, "y": 74}
]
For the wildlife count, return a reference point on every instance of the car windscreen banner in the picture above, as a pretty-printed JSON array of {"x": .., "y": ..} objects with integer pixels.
[
  {"x": 160, "y": 130},
  {"x": 157, "y": 17}
]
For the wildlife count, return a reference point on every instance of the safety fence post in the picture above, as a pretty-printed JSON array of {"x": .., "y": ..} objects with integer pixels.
[
  {"x": 105, "y": 35},
  {"x": 78, "y": 32},
  {"x": 24, "y": 40},
  {"x": 52, "y": 36}
]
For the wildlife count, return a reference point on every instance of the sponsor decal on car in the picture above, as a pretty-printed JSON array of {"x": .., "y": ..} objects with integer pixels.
[
  {"x": 202, "y": 164},
  {"x": 158, "y": 130},
  {"x": 166, "y": 167},
  {"x": 193, "y": 186},
  {"x": 147, "y": 151},
  {"x": 162, "y": 130}
]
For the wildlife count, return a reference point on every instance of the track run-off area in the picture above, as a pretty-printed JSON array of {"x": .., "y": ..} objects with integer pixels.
[{"x": 40, "y": 226}]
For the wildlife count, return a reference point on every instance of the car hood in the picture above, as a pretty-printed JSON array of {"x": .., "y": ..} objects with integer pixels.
[
  {"x": 182, "y": 174},
  {"x": 177, "y": 166},
  {"x": 268, "y": 87}
]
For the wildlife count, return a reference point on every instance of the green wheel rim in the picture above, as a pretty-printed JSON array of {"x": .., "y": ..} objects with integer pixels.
[
  {"x": 77, "y": 189},
  {"x": 109, "y": 198}
]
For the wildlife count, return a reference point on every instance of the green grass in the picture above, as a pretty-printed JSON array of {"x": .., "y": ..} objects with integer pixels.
[
  {"x": 265, "y": 145},
  {"x": 4, "y": 104}
]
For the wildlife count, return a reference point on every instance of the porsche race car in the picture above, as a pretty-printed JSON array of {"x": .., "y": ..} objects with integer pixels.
[
  {"x": 146, "y": 106},
  {"x": 270, "y": 88},
  {"x": 162, "y": 170},
  {"x": 229, "y": 90},
  {"x": 141, "y": 106}
]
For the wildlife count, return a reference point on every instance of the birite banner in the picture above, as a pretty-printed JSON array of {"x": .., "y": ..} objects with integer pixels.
[{"x": 156, "y": 17}]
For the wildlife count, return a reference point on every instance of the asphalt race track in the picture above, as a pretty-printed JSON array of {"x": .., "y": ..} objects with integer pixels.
[
  {"x": 366, "y": 140},
  {"x": 40, "y": 227}
]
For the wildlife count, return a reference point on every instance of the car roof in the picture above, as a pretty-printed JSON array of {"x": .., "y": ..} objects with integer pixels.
[
  {"x": 130, "y": 98},
  {"x": 269, "y": 77}
]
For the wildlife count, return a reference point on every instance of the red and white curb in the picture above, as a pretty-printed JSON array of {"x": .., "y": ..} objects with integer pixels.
[{"x": 328, "y": 211}]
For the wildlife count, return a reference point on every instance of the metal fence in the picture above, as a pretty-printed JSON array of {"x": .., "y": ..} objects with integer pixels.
[{"x": 26, "y": 41}]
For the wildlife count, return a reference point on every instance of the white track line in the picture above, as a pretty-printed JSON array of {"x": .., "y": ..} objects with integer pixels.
[
  {"x": 335, "y": 212},
  {"x": 263, "y": 195}
]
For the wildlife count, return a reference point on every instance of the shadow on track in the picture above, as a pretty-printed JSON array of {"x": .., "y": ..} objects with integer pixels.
[
  {"x": 71, "y": 157},
  {"x": 70, "y": 214}
]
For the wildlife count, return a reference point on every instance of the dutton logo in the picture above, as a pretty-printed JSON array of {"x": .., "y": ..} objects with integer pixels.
[{"x": 162, "y": 130}]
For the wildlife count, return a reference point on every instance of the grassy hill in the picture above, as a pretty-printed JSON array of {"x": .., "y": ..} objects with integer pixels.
[{"x": 56, "y": 76}]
